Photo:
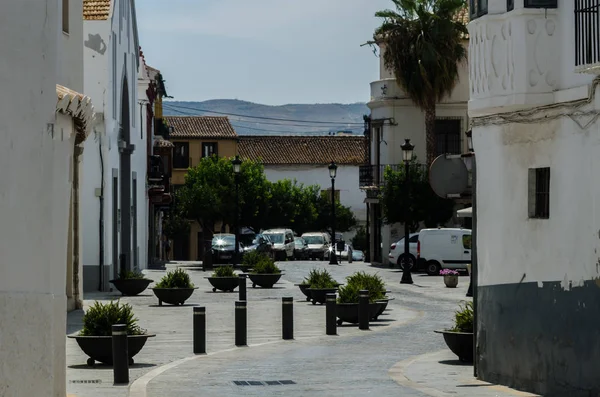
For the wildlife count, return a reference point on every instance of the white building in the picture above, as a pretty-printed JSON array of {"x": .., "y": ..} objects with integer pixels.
[
  {"x": 114, "y": 189},
  {"x": 43, "y": 121},
  {"x": 306, "y": 159},
  {"x": 394, "y": 118},
  {"x": 536, "y": 138}
]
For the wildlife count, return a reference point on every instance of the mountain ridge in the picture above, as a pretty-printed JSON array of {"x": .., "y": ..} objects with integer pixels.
[{"x": 249, "y": 118}]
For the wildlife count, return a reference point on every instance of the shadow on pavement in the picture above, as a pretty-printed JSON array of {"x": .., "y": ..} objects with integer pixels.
[
  {"x": 101, "y": 366},
  {"x": 456, "y": 362},
  {"x": 168, "y": 305}
]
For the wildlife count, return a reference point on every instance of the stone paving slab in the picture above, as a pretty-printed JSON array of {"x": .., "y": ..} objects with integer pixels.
[
  {"x": 173, "y": 324},
  {"x": 442, "y": 374}
]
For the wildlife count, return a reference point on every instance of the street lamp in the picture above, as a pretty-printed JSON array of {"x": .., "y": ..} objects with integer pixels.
[
  {"x": 237, "y": 163},
  {"x": 332, "y": 174},
  {"x": 405, "y": 258}
]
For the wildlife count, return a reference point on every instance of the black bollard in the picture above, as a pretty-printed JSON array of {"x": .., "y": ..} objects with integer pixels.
[
  {"x": 330, "y": 315},
  {"x": 199, "y": 330},
  {"x": 120, "y": 354},
  {"x": 242, "y": 286},
  {"x": 363, "y": 309},
  {"x": 287, "y": 317},
  {"x": 240, "y": 323}
]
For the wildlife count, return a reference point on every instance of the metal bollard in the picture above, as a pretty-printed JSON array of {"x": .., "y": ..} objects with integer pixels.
[
  {"x": 241, "y": 323},
  {"x": 330, "y": 315},
  {"x": 199, "y": 330},
  {"x": 349, "y": 255},
  {"x": 242, "y": 286},
  {"x": 287, "y": 318},
  {"x": 363, "y": 309},
  {"x": 120, "y": 353}
]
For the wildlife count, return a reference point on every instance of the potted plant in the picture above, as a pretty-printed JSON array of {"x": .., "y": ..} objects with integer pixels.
[
  {"x": 348, "y": 295},
  {"x": 174, "y": 288},
  {"x": 321, "y": 284},
  {"x": 264, "y": 273},
  {"x": 459, "y": 339},
  {"x": 95, "y": 337},
  {"x": 131, "y": 283},
  {"x": 450, "y": 277},
  {"x": 250, "y": 259},
  {"x": 224, "y": 279}
]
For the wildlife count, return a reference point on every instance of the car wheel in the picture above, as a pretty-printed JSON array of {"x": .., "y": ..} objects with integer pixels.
[
  {"x": 433, "y": 268},
  {"x": 411, "y": 260}
]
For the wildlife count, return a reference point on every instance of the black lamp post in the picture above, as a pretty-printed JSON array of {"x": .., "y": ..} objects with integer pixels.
[
  {"x": 470, "y": 148},
  {"x": 237, "y": 163},
  {"x": 406, "y": 260},
  {"x": 332, "y": 174}
]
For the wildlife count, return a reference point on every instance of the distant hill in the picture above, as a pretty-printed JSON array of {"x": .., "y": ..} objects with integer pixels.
[{"x": 345, "y": 117}]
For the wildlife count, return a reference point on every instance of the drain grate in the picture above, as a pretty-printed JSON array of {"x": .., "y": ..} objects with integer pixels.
[
  {"x": 263, "y": 383},
  {"x": 86, "y": 381}
]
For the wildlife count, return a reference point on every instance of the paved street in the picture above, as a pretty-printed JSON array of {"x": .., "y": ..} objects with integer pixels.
[{"x": 353, "y": 363}]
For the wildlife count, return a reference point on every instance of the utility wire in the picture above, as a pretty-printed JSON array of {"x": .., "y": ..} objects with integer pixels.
[
  {"x": 256, "y": 122},
  {"x": 261, "y": 118},
  {"x": 284, "y": 132}
]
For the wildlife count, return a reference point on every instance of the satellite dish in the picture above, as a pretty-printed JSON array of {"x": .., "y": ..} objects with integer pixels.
[{"x": 448, "y": 176}]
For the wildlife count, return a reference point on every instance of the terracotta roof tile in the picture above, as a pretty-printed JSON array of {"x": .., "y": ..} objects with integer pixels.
[
  {"x": 303, "y": 149},
  {"x": 161, "y": 142},
  {"x": 96, "y": 10},
  {"x": 201, "y": 127}
]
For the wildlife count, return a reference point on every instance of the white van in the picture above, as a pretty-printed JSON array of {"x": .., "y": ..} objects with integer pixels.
[
  {"x": 444, "y": 248},
  {"x": 283, "y": 242},
  {"x": 318, "y": 244}
]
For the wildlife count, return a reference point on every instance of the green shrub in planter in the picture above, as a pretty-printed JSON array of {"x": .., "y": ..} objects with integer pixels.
[
  {"x": 371, "y": 282},
  {"x": 252, "y": 258},
  {"x": 348, "y": 293},
  {"x": 134, "y": 274},
  {"x": 265, "y": 266},
  {"x": 175, "y": 279},
  {"x": 463, "y": 318},
  {"x": 99, "y": 319},
  {"x": 224, "y": 271},
  {"x": 320, "y": 279}
]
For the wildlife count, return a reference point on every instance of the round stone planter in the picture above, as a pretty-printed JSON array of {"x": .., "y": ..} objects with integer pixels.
[
  {"x": 131, "y": 286},
  {"x": 304, "y": 290},
  {"x": 264, "y": 280},
  {"x": 319, "y": 295},
  {"x": 224, "y": 283},
  {"x": 173, "y": 296},
  {"x": 99, "y": 348},
  {"x": 460, "y": 343},
  {"x": 348, "y": 312},
  {"x": 451, "y": 281},
  {"x": 383, "y": 305}
]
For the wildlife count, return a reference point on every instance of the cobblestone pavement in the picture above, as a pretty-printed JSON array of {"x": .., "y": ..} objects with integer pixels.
[{"x": 355, "y": 362}]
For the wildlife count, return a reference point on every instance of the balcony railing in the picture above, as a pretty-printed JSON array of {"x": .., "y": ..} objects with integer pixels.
[{"x": 587, "y": 32}]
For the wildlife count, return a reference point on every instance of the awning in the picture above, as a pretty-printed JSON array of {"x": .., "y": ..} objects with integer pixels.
[{"x": 465, "y": 213}]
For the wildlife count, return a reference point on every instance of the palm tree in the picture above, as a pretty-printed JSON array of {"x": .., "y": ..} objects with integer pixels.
[{"x": 422, "y": 42}]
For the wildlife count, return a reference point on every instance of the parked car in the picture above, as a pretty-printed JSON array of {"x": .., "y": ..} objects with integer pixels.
[
  {"x": 444, "y": 248},
  {"x": 283, "y": 242},
  {"x": 223, "y": 248},
  {"x": 344, "y": 253},
  {"x": 260, "y": 243},
  {"x": 318, "y": 244},
  {"x": 398, "y": 248},
  {"x": 301, "y": 250},
  {"x": 358, "y": 255}
]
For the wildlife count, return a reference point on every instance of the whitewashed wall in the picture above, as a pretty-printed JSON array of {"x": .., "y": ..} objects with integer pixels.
[
  {"x": 346, "y": 182},
  {"x": 34, "y": 202},
  {"x": 110, "y": 54}
]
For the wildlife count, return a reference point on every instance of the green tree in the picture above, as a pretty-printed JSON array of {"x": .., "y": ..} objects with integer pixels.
[
  {"x": 344, "y": 217},
  {"x": 291, "y": 205},
  {"x": 359, "y": 241},
  {"x": 423, "y": 44},
  {"x": 424, "y": 205}
]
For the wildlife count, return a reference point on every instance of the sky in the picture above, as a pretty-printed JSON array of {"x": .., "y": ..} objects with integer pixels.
[{"x": 272, "y": 52}]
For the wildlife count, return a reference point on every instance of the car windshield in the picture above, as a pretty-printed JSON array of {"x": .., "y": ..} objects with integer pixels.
[
  {"x": 223, "y": 240},
  {"x": 275, "y": 238},
  {"x": 257, "y": 239},
  {"x": 313, "y": 239},
  {"x": 299, "y": 241},
  {"x": 247, "y": 238}
]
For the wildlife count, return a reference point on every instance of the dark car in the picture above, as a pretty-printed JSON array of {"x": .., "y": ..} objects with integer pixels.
[
  {"x": 260, "y": 243},
  {"x": 223, "y": 248},
  {"x": 301, "y": 250}
]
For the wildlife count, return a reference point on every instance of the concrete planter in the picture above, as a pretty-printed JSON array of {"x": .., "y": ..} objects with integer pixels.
[
  {"x": 224, "y": 283},
  {"x": 304, "y": 289},
  {"x": 173, "y": 296},
  {"x": 460, "y": 343},
  {"x": 99, "y": 348},
  {"x": 348, "y": 312},
  {"x": 451, "y": 281},
  {"x": 319, "y": 295},
  {"x": 131, "y": 286},
  {"x": 264, "y": 280}
]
